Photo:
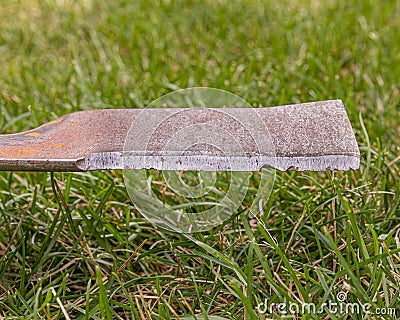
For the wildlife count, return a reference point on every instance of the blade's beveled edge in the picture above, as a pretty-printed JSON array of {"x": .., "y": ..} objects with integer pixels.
[
  {"x": 113, "y": 161},
  {"x": 116, "y": 160}
]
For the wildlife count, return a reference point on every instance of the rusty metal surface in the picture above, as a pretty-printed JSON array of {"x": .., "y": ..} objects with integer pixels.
[
  {"x": 63, "y": 144},
  {"x": 312, "y": 136}
]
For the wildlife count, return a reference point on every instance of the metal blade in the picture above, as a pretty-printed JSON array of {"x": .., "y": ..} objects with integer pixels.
[{"x": 312, "y": 136}]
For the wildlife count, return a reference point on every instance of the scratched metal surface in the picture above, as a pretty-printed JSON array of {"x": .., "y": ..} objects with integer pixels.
[{"x": 312, "y": 136}]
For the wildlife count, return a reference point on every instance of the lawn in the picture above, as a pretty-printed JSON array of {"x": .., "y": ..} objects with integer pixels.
[{"x": 72, "y": 245}]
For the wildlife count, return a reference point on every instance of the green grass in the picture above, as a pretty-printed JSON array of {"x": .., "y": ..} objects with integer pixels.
[{"x": 72, "y": 245}]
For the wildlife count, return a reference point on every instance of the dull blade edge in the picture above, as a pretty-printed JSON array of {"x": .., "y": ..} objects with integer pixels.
[{"x": 116, "y": 160}]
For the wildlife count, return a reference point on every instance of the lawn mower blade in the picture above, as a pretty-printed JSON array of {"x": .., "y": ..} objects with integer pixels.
[{"x": 314, "y": 136}]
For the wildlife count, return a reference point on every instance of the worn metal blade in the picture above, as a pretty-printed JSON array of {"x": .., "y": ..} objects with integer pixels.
[{"x": 312, "y": 136}]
